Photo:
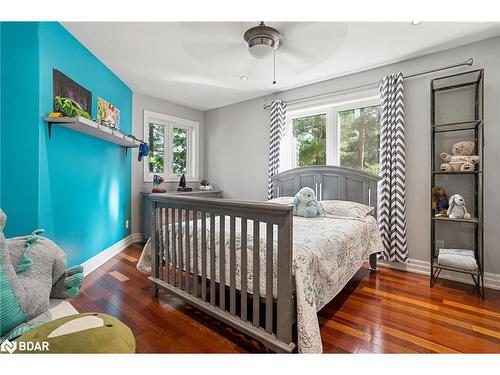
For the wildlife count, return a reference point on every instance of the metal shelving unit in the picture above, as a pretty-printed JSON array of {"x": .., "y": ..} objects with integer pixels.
[{"x": 463, "y": 94}]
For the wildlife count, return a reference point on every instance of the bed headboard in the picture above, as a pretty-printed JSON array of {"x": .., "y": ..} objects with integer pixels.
[{"x": 329, "y": 182}]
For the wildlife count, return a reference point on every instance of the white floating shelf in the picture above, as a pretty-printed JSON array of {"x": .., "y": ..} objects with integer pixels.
[{"x": 92, "y": 128}]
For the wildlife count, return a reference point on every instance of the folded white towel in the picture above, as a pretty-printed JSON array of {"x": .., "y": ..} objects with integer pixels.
[{"x": 457, "y": 258}]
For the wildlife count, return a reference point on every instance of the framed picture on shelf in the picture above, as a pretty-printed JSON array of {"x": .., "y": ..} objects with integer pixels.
[
  {"x": 107, "y": 114},
  {"x": 65, "y": 87}
]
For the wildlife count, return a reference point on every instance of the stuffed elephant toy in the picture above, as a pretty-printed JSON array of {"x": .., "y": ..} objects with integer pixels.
[
  {"x": 32, "y": 270},
  {"x": 305, "y": 203}
]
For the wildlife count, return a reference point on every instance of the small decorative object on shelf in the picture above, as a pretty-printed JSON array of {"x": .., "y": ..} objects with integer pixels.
[
  {"x": 69, "y": 107},
  {"x": 439, "y": 201},
  {"x": 205, "y": 186},
  {"x": 107, "y": 114},
  {"x": 457, "y": 209},
  {"x": 457, "y": 125},
  {"x": 65, "y": 87},
  {"x": 157, "y": 180},
  {"x": 143, "y": 150},
  {"x": 182, "y": 184},
  {"x": 462, "y": 159}
]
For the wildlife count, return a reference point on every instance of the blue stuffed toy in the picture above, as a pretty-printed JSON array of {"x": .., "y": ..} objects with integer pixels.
[{"x": 305, "y": 203}]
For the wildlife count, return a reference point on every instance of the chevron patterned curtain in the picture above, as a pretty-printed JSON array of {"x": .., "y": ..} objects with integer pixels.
[
  {"x": 392, "y": 196},
  {"x": 278, "y": 114}
]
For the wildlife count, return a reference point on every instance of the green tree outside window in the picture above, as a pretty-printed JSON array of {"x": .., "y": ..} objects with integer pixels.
[
  {"x": 360, "y": 138},
  {"x": 157, "y": 148},
  {"x": 310, "y": 133},
  {"x": 180, "y": 151}
]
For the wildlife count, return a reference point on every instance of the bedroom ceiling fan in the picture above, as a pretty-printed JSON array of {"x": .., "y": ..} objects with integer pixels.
[
  {"x": 241, "y": 49},
  {"x": 262, "y": 42}
]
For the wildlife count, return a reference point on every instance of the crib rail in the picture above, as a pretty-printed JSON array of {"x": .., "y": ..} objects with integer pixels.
[{"x": 190, "y": 233}]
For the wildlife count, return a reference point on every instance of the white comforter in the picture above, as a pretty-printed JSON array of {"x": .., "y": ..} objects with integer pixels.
[{"x": 327, "y": 252}]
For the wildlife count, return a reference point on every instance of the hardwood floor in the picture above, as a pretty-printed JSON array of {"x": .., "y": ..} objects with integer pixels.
[{"x": 377, "y": 312}]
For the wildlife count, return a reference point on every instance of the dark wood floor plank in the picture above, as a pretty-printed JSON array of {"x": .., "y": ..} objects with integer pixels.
[{"x": 388, "y": 311}]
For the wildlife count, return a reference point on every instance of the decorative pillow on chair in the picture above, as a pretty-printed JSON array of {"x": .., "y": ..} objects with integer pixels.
[{"x": 346, "y": 209}]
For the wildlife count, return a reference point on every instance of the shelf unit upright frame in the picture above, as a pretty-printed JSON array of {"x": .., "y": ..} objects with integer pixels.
[{"x": 477, "y": 125}]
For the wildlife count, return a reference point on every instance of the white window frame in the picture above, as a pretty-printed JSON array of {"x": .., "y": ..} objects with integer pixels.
[
  {"x": 193, "y": 153},
  {"x": 331, "y": 106}
]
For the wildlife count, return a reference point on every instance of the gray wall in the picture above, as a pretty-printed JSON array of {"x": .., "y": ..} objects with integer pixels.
[
  {"x": 141, "y": 102},
  {"x": 237, "y": 136}
]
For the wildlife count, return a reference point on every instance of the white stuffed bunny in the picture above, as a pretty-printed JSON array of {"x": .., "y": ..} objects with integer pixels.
[{"x": 457, "y": 208}]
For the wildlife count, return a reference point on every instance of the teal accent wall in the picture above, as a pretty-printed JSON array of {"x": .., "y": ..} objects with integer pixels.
[
  {"x": 20, "y": 126},
  {"x": 82, "y": 184}
]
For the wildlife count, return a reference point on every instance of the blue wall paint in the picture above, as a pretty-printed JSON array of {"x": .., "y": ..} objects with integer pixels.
[
  {"x": 83, "y": 183},
  {"x": 1, "y": 47},
  {"x": 20, "y": 130}
]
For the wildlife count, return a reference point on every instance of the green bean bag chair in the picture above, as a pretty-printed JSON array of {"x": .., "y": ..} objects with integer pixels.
[{"x": 79, "y": 333}]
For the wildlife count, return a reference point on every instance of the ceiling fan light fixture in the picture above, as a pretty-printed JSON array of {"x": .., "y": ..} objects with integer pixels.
[{"x": 262, "y": 40}]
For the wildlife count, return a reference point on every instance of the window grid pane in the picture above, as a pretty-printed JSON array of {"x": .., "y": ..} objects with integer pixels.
[
  {"x": 310, "y": 136},
  {"x": 180, "y": 149},
  {"x": 360, "y": 138},
  {"x": 156, "y": 155}
]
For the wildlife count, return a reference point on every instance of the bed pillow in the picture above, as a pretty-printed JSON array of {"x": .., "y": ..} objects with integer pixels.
[
  {"x": 346, "y": 208},
  {"x": 281, "y": 200}
]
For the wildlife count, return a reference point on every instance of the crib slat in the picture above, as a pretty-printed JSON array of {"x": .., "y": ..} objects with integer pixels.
[
  {"x": 167, "y": 245},
  {"x": 222, "y": 262},
  {"x": 195, "y": 253},
  {"x": 284, "y": 271},
  {"x": 269, "y": 277},
  {"x": 232, "y": 265},
  {"x": 188, "y": 250},
  {"x": 174, "y": 249},
  {"x": 180, "y": 259},
  {"x": 154, "y": 248},
  {"x": 164, "y": 233},
  {"x": 212, "y": 259},
  {"x": 256, "y": 272},
  {"x": 244, "y": 277},
  {"x": 204, "y": 255}
]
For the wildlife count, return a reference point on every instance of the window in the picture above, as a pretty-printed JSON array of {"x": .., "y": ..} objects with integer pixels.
[
  {"x": 173, "y": 144},
  {"x": 309, "y": 133},
  {"x": 359, "y": 138},
  {"x": 340, "y": 131}
]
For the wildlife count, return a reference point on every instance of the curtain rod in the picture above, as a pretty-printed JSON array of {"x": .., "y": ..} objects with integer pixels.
[{"x": 468, "y": 62}]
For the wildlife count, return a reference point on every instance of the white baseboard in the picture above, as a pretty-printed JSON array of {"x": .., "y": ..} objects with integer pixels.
[
  {"x": 137, "y": 237},
  {"x": 99, "y": 259},
  {"x": 491, "y": 280}
]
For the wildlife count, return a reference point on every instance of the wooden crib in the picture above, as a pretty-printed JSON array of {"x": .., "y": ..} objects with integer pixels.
[{"x": 267, "y": 316}]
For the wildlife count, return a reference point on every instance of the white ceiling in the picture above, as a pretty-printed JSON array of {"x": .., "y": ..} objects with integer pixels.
[{"x": 200, "y": 64}]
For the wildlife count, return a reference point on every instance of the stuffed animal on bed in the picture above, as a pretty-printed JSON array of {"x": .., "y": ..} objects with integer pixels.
[
  {"x": 305, "y": 203},
  {"x": 32, "y": 270}
]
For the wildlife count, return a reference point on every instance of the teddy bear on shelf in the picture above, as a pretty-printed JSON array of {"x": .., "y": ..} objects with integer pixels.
[
  {"x": 462, "y": 159},
  {"x": 439, "y": 201},
  {"x": 456, "y": 209},
  {"x": 305, "y": 203}
]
